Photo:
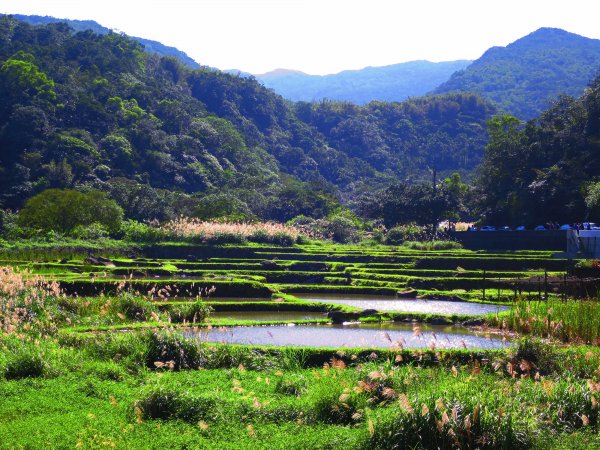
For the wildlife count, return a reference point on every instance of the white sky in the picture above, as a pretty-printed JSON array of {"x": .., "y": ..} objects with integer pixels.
[{"x": 324, "y": 36}]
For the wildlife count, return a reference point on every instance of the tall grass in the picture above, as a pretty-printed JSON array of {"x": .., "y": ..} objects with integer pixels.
[
  {"x": 226, "y": 232},
  {"x": 570, "y": 320},
  {"x": 26, "y": 302},
  {"x": 433, "y": 245}
]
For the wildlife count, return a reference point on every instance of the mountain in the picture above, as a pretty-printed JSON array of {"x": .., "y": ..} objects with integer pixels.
[
  {"x": 524, "y": 77},
  {"x": 94, "y": 111},
  {"x": 547, "y": 169},
  {"x": 389, "y": 83},
  {"x": 83, "y": 25}
]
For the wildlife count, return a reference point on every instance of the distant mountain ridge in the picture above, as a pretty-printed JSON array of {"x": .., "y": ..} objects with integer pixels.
[
  {"x": 524, "y": 77},
  {"x": 396, "y": 82},
  {"x": 82, "y": 25}
]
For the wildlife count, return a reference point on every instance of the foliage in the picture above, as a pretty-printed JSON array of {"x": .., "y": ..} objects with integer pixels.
[
  {"x": 543, "y": 171},
  {"x": 403, "y": 203},
  {"x": 64, "y": 210},
  {"x": 527, "y": 75},
  {"x": 164, "y": 140},
  {"x": 408, "y": 232}
]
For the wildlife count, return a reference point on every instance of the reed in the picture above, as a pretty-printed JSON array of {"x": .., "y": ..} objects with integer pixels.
[{"x": 571, "y": 320}]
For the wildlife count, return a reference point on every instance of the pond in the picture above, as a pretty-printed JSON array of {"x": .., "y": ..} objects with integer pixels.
[
  {"x": 375, "y": 335},
  {"x": 268, "y": 315},
  {"x": 384, "y": 303}
]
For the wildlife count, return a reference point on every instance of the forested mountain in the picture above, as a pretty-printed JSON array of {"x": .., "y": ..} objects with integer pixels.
[
  {"x": 545, "y": 170},
  {"x": 83, "y": 25},
  {"x": 93, "y": 111},
  {"x": 524, "y": 77},
  {"x": 389, "y": 83},
  {"x": 408, "y": 139}
]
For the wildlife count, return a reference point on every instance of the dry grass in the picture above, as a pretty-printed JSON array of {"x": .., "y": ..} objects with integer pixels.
[
  {"x": 23, "y": 300},
  {"x": 185, "y": 227}
]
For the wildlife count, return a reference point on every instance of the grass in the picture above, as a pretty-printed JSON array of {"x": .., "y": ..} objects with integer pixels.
[
  {"x": 567, "y": 320},
  {"x": 154, "y": 388}
]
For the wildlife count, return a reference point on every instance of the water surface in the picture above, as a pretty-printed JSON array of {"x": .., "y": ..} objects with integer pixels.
[
  {"x": 268, "y": 315},
  {"x": 379, "y": 335},
  {"x": 390, "y": 303}
]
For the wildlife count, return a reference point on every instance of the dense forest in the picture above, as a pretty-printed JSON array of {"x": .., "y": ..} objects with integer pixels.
[
  {"x": 524, "y": 77},
  {"x": 547, "y": 169},
  {"x": 95, "y": 112},
  {"x": 83, "y": 25}
]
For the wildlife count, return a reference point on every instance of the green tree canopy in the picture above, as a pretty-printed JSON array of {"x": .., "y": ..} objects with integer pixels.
[{"x": 62, "y": 210}]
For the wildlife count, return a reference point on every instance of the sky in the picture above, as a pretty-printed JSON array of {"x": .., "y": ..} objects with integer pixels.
[{"x": 324, "y": 36}]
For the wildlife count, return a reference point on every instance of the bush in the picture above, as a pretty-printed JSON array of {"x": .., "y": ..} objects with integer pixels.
[
  {"x": 433, "y": 245},
  {"x": 342, "y": 230},
  {"x": 133, "y": 307},
  {"x": 169, "y": 403},
  {"x": 140, "y": 232},
  {"x": 401, "y": 233},
  {"x": 194, "y": 312},
  {"x": 174, "y": 350},
  {"x": 94, "y": 231},
  {"x": 24, "y": 360},
  {"x": 224, "y": 238}
]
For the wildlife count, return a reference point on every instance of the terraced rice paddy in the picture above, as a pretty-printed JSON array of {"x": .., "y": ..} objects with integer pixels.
[
  {"x": 261, "y": 284},
  {"x": 392, "y": 303},
  {"x": 354, "y": 335},
  {"x": 314, "y": 346}
]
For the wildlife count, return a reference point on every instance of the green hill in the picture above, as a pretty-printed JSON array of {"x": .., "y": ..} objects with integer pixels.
[
  {"x": 94, "y": 111},
  {"x": 83, "y": 25},
  {"x": 524, "y": 77}
]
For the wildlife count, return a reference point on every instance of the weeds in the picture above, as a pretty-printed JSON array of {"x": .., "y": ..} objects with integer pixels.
[{"x": 572, "y": 320}]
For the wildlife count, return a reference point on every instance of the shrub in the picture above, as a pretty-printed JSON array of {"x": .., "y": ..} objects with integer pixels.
[
  {"x": 94, "y": 231},
  {"x": 342, "y": 230},
  {"x": 194, "y": 312},
  {"x": 133, "y": 307},
  {"x": 24, "y": 360},
  {"x": 401, "y": 233},
  {"x": 140, "y": 232},
  {"x": 174, "y": 350},
  {"x": 169, "y": 403},
  {"x": 295, "y": 386},
  {"x": 433, "y": 245}
]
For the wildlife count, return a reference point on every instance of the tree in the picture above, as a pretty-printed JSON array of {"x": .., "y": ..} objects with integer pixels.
[{"x": 62, "y": 210}]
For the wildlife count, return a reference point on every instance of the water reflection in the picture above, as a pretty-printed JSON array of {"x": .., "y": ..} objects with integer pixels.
[
  {"x": 379, "y": 335},
  {"x": 383, "y": 303}
]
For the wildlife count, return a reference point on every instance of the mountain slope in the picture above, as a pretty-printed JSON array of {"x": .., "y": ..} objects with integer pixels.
[
  {"x": 527, "y": 75},
  {"x": 83, "y": 25},
  {"x": 85, "y": 110},
  {"x": 390, "y": 83}
]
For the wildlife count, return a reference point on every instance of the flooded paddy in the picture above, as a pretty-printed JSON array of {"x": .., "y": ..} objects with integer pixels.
[
  {"x": 373, "y": 335},
  {"x": 268, "y": 316},
  {"x": 390, "y": 303}
]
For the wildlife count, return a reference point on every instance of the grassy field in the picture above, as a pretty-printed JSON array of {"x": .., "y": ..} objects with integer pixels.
[{"x": 70, "y": 379}]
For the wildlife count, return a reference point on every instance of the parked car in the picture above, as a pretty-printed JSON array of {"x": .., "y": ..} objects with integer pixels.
[
  {"x": 520, "y": 228},
  {"x": 540, "y": 228},
  {"x": 505, "y": 228},
  {"x": 488, "y": 228},
  {"x": 566, "y": 226},
  {"x": 590, "y": 226}
]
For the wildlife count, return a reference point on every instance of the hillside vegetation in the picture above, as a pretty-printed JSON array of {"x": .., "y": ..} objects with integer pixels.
[
  {"x": 94, "y": 111},
  {"x": 524, "y": 77},
  {"x": 547, "y": 169}
]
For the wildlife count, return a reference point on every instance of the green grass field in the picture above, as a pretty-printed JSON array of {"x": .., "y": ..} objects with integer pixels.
[{"x": 93, "y": 356}]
